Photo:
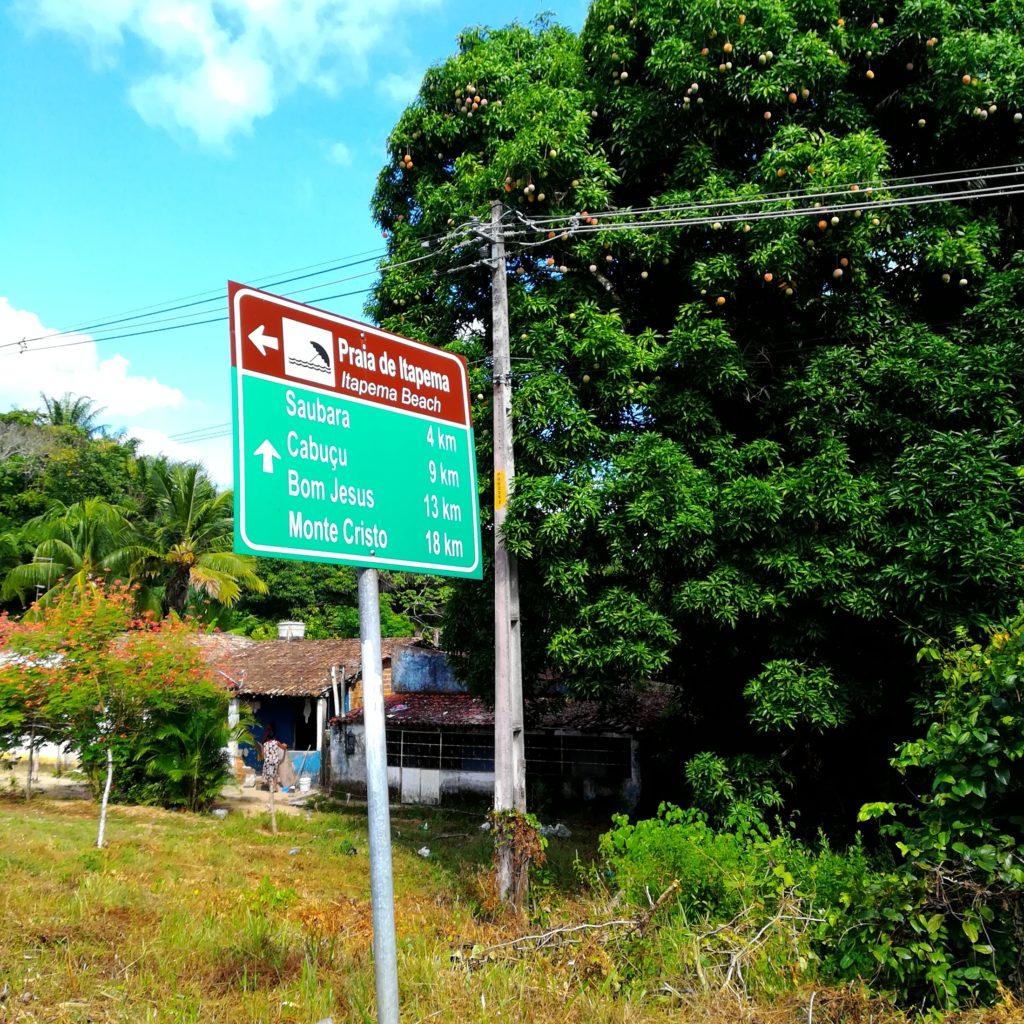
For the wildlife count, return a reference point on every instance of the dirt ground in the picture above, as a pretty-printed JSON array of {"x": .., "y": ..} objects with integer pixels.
[{"x": 53, "y": 782}]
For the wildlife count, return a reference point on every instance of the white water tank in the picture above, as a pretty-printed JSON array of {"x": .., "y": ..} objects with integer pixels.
[{"x": 291, "y": 630}]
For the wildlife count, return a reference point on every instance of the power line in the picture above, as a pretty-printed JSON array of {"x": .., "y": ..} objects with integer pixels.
[
  {"x": 212, "y": 436},
  {"x": 712, "y": 219},
  {"x": 102, "y": 335},
  {"x": 849, "y": 198},
  {"x": 223, "y": 430},
  {"x": 215, "y": 295},
  {"x": 838, "y": 192},
  {"x": 147, "y": 313},
  {"x": 23, "y": 349},
  {"x": 186, "y": 434}
]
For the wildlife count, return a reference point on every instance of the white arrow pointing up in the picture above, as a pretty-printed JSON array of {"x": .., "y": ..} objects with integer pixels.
[
  {"x": 269, "y": 453},
  {"x": 262, "y": 341}
]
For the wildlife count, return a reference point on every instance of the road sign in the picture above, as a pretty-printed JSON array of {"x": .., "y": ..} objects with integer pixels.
[{"x": 351, "y": 444}]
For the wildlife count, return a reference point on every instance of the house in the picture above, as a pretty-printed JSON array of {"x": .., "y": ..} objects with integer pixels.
[
  {"x": 292, "y": 685},
  {"x": 440, "y": 739}
]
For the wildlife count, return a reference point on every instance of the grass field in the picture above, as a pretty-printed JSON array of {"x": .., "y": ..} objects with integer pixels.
[{"x": 184, "y": 919}]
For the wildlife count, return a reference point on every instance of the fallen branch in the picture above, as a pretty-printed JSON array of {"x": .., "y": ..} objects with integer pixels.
[
  {"x": 645, "y": 919},
  {"x": 556, "y": 936},
  {"x": 544, "y": 938},
  {"x": 746, "y": 951}
]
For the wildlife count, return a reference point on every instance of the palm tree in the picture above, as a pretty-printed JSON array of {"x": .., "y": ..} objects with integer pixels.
[
  {"x": 72, "y": 411},
  {"x": 188, "y": 547},
  {"x": 76, "y": 547}
]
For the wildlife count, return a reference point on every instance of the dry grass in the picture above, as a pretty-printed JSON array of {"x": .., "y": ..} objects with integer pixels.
[{"x": 185, "y": 919}]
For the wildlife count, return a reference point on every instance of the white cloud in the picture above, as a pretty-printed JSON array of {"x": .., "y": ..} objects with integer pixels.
[
  {"x": 76, "y": 368},
  {"x": 215, "y": 454},
  {"x": 214, "y": 99},
  {"x": 340, "y": 154},
  {"x": 125, "y": 397},
  {"x": 400, "y": 89},
  {"x": 221, "y": 64}
]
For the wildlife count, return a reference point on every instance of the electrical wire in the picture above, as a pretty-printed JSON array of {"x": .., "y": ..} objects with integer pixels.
[
  {"x": 844, "y": 200},
  {"x": 223, "y": 430},
  {"x": 847, "y": 199},
  {"x": 194, "y": 299},
  {"x": 186, "y": 434},
  {"x": 23, "y": 349},
  {"x": 212, "y": 436},
  {"x": 221, "y": 298},
  {"x": 760, "y": 215},
  {"x": 219, "y": 295},
  {"x": 839, "y": 192}
]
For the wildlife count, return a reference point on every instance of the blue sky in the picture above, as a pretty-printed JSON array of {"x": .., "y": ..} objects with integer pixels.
[{"x": 153, "y": 149}]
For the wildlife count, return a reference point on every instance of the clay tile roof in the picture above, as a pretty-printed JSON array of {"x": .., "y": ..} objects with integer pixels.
[
  {"x": 292, "y": 668},
  {"x": 636, "y": 710},
  {"x": 221, "y": 647},
  {"x": 430, "y": 709}
]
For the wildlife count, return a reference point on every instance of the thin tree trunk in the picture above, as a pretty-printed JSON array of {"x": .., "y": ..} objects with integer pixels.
[
  {"x": 273, "y": 809},
  {"x": 31, "y": 751},
  {"x": 106, "y": 795}
]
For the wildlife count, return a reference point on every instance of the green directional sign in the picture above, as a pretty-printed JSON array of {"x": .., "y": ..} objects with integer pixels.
[{"x": 351, "y": 445}]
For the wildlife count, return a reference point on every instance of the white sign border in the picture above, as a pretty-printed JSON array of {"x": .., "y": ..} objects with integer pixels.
[{"x": 305, "y": 554}]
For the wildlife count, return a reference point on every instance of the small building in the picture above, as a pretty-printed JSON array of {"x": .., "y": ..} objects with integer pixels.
[
  {"x": 292, "y": 686},
  {"x": 440, "y": 739}
]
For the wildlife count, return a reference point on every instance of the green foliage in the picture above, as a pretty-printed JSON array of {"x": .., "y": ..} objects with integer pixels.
[
  {"x": 186, "y": 548},
  {"x": 78, "y": 505},
  {"x": 77, "y": 547},
  {"x": 737, "y": 469},
  {"x": 738, "y": 789},
  {"x": 947, "y": 925},
  {"x": 42, "y": 464},
  {"x": 746, "y": 895},
  {"x": 787, "y": 694},
  {"x": 940, "y": 927},
  {"x": 326, "y": 598},
  {"x": 183, "y": 756},
  {"x": 80, "y": 467},
  {"x": 76, "y": 411}
]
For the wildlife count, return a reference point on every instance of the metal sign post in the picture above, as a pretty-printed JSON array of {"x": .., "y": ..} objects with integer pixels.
[{"x": 385, "y": 956}]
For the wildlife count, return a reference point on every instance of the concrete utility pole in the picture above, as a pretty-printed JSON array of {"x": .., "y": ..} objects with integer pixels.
[{"x": 509, "y": 750}]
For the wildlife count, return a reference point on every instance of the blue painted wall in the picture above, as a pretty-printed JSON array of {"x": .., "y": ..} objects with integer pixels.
[
  {"x": 287, "y": 715},
  {"x": 418, "y": 670}
]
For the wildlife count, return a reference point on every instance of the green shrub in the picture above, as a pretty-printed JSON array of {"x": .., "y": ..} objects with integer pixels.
[
  {"x": 185, "y": 754},
  {"x": 937, "y": 922},
  {"x": 752, "y": 910},
  {"x": 722, "y": 873},
  {"x": 90, "y": 673},
  {"x": 946, "y": 927},
  {"x": 736, "y": 790}
]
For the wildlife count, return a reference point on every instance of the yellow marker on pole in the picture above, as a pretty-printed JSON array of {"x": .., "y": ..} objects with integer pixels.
[{"x": 500, "y": 489}]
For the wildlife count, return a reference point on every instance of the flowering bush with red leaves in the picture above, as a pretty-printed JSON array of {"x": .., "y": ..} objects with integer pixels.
[{"x": 89, "y": 671}]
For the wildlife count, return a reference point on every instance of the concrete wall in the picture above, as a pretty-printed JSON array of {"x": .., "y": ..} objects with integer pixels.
[
  {"x": 477, "y": 783},
  {"x": 347, "y": 773}
]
